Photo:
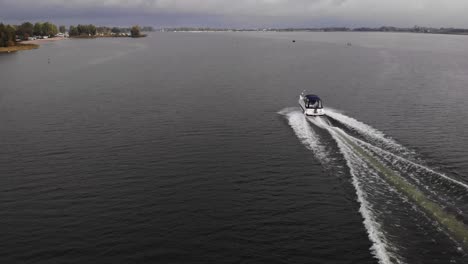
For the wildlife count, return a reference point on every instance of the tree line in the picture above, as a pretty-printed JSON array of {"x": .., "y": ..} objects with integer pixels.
[
  {"x": 92, "y": 30},
  {"x": 82, "y": 30},
  {"x": 9, "y": 34}
]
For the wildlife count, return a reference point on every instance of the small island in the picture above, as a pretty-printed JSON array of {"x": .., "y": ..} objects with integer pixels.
[{"x": 28, "y": 36}]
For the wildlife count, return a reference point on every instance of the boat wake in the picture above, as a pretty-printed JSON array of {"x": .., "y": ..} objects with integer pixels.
[
  {"x": 306, "y": 134},
  {"x": 402, "y": 200}
]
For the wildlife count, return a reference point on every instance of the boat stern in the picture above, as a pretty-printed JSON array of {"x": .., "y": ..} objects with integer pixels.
[
  {"x": 314, "y": 112},
  {"x": 311, "y": 105}
]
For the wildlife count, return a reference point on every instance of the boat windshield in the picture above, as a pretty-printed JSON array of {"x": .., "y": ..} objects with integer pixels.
[{"x": 314, "y": 103}]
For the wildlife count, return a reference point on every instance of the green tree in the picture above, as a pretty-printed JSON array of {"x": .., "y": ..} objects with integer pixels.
[
  {"x": 80, "y": 29},
  {"x": 103, "y": 30},
  {"x": 49, "y": 29},
  {"x": 10, "y": 37},
  {"x": 37, "y": 29},
  {"x": 54, "y": 30},
  {"x": 7, "y": 35},
  {"x": 73, "y": 31},
  {"x": 92, "y": 29},
  {"x": 2, "y": 35},
  {"x": 62, "y": 29},
  {"x": 135, "y": 31},
  {"x": 85, "y": 30},
  {"x": 46, "y": 28},
  {"x": 116, "y": 30},
  {"x": 25, "y": 30}
]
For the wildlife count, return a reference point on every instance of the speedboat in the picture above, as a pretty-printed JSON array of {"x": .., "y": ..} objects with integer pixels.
[{"x": 311, "y": 104}]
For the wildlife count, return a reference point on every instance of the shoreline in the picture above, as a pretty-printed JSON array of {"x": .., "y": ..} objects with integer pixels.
[
  {"x": 40, "y": 41},
  {"x": 35, "y": 44},
  {"x": 19, "y": 47},
  {"x": 105, "y": 36}
]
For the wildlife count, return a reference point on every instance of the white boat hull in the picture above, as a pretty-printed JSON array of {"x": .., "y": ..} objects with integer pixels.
[{"x": 310, "y": 111}]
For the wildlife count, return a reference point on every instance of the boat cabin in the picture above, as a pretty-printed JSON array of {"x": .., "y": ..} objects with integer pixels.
[{"x": 312, "y": 101}]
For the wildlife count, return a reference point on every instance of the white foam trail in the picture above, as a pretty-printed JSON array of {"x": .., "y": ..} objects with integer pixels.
[
  {"x": 305, "y": 133},
  {"x": 419, "y": 166},
  {"x": 367, "y": 131},
  {"x": 377, "y": 237},
  {"x": 371, "y": 132},
  {"x": 381, "y": 247}
]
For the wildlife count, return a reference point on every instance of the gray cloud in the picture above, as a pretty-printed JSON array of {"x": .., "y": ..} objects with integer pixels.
[{"x": 243, "y": 12}]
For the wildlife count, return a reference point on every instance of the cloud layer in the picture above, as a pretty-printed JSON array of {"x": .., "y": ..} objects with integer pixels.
[{"x": 245, "y": 12}]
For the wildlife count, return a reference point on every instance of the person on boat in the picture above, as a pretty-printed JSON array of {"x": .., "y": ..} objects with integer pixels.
[{"x": 313, "y": 104}]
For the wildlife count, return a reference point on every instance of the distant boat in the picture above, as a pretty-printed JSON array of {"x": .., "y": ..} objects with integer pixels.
[{"x": 311, "y": 104}]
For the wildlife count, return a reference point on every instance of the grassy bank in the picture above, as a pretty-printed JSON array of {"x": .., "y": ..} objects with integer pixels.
[{"x": 18, "y": 47}]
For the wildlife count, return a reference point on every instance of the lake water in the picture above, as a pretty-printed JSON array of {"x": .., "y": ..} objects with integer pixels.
[{"x": 190, "y": 148}]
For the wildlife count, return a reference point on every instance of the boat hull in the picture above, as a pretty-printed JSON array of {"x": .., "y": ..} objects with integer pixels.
[{"x": 310, "y": 111}]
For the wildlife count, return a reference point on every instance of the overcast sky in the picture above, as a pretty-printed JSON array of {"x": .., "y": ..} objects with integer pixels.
[{"x": 240, "y": 13}]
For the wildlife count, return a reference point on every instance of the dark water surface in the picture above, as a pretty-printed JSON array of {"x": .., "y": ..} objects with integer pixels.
[{"x": 188, "y": 148}]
